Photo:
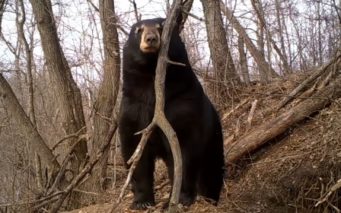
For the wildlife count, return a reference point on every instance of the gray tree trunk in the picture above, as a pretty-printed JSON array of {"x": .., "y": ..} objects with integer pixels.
[
  {"x": 107, "y": 95},
  {"x": 243, "y": 61},
  {"x": 67, "y": 94},
  {"x": 220, "y": 53}
]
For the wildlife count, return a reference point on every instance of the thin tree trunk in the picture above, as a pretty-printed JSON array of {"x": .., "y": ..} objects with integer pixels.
[
  {"x": 23, "y": 40},
  {"x": 220, "y": 53},
  {"x": 67, "y": 94},
  {"x": 302, "y": 59},
  {"x": 279, "y": 23},
  {"x": 243, "y": 61},
  {"x": 107, "y": 95},
  {"x": 2, "y": 9},
  {"x": 319, "y": 38},
  {"x": 261, "y": 47},
  {"x": 256, "y": 54},
  {"x": 257, "y": 5}
]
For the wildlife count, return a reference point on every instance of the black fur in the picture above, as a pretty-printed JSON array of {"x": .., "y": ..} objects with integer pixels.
[{"x": 189, "y": 111}]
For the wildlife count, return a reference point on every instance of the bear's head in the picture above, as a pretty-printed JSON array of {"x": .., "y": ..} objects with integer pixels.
[
  {"x": 146, "y": 35},
  {"x": 150, "y": 36},
  {"x": 141, "y": 50}
]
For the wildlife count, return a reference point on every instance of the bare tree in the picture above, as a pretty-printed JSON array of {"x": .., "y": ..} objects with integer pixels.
[
  {"x": 2, "y": 7},
  {"x": 107, "y": 94},
  {"x": 67, "y": 94},
  {"x": 281, "y": 26},
  {"x": 21, "y": 22},
  {"x": 258, "y": 7},
  {"x": 256, "y": 54},
  {"x": 223, "y": 65}
]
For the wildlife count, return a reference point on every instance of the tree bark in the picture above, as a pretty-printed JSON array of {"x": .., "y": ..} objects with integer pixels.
[
  {"x": 261, "y": 47},
  {"x": 223, "y": 65},
  {"x": 107, "y": 95},
  {"x": 256, "y": 54},
  {"x": 26, "y": 128},
  {"x": 2, "y": 8},
  {"x": 243, "y": 61},
  {"x": 269, "y": 130},
  {"x": 68, "y": 94},
  {"x": 186, "y": 8},
  {"x": 23, "y": 40},
  {"x": 280, "y": 29}
]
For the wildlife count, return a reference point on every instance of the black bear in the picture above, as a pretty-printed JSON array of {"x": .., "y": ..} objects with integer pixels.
[{"x": 187, "y": 108}]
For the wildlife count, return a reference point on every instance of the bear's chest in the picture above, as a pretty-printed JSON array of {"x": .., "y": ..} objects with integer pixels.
[{"x": 138, "y": 102}]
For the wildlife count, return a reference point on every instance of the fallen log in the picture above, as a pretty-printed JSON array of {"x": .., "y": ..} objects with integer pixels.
[{"x": 269, "y": 130}]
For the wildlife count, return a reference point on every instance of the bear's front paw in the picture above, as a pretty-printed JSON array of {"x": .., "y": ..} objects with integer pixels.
[
  {"x": 186, "y": 200},
  {"x": 139, "y": 205}
]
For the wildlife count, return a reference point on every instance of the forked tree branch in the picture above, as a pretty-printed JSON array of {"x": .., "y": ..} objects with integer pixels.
[{"x": 159, "y": 118}]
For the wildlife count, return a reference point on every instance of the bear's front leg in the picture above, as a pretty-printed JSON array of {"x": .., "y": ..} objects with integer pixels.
[{"x": 142, "y": 184}]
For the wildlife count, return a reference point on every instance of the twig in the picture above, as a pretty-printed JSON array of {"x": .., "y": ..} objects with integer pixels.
[
  {"x": 87, "y": 168},
  {"x": 62, "y": 169},
  {"x": 226, "y": 115},
  {"x": 60, "y": 174},
  {"x": 176, "y": 63},
  {"x": 31, "y": 202},
  {"x": 163, "y": 184},
  {"x": 252, "y": 112},
  {"x": 327, "y": 79},
  {"x": 86, "y": 192},
  {"x": 137, "y": 17},
  {"x": 122, "y": 29},
  {"x": 193, "y": 16},
  {"x": 138, "y": 152},
  {"x": 39, "y": 173},
  {"x": 93, "y": 5},
  {"x": 335, "y": 187},
  {"x": 74, "y": 135}
]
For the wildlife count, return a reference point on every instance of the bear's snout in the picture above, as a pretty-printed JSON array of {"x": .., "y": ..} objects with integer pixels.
[{"x": 151, "y": 39}]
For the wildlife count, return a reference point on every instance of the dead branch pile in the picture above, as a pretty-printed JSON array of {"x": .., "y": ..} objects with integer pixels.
[{"x": 312, "y": 95}]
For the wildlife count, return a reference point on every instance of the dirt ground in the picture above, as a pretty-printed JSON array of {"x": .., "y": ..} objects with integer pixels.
[{"x": 289, "y": 174}]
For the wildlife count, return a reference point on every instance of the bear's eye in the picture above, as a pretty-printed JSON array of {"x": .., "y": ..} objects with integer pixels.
[{"x": 138, "y": 30}]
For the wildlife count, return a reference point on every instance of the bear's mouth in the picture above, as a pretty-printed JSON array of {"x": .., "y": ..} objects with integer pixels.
[{"x": 149, "y": 49}]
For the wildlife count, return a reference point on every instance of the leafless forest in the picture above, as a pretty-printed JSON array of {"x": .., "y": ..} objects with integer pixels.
[{"x": 268, "y": 66}]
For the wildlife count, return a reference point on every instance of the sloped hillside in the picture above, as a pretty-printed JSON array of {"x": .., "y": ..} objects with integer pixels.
[{"x": 292, "y": 172}]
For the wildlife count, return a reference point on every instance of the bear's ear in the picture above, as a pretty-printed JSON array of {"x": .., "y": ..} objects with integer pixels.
[
  {"x": 159, "y": 26},
  {"x": 163, "y": 23}
]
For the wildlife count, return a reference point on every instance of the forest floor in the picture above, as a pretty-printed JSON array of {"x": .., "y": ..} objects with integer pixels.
[{"x": 291, "y": 173}]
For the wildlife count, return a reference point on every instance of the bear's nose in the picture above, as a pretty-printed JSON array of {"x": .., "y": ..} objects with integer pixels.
[{"x": 151, "y": 39}]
